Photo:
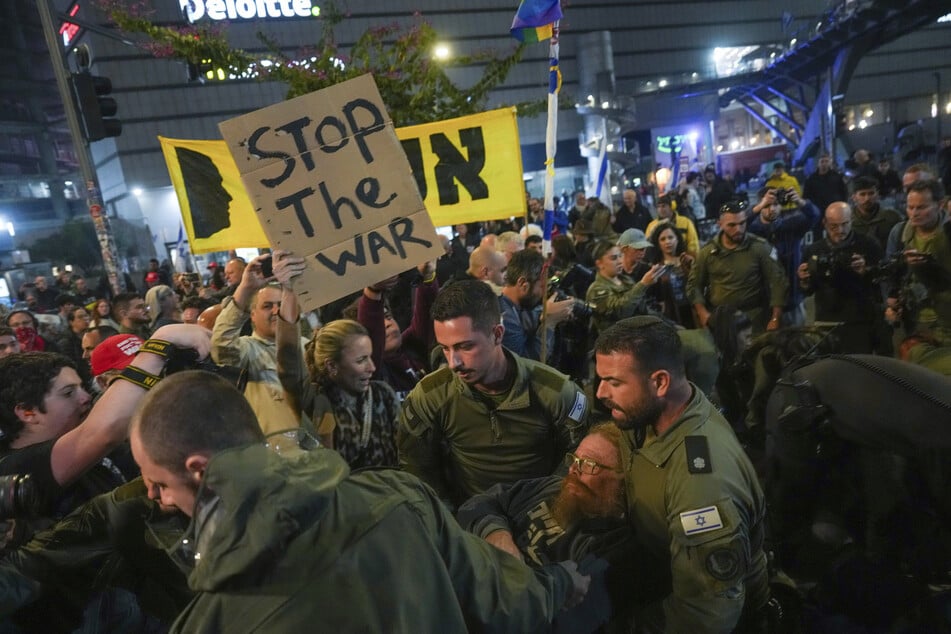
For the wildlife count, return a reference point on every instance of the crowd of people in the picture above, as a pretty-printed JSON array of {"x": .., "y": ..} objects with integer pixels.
[{"x": 498, "y": 440}]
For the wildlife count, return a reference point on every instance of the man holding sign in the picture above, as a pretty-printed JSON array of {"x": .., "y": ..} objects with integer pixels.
[{"x": 329, "y": 180}]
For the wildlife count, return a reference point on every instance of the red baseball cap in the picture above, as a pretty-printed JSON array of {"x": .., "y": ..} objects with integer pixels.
[{"x": 114, "y": 353}]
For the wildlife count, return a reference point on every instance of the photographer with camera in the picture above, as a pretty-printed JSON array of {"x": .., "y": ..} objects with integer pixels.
[
  {"x": 839, "y": 271},
  {"x": 922, "y": 297},
  {"x": 783, "y": 217},
  {"x": 613, "y": 296},
  {"x": 521, "y": 305},
  {"x": 780, "y": 179}
]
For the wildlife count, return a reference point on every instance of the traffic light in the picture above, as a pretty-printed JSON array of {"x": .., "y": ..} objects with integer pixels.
[{"x": 97, "y": 109}]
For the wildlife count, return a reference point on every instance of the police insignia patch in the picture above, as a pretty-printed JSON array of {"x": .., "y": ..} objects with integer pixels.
[
  {"x": 723, "y": 564},
  {"x": 698, "y": 454}
]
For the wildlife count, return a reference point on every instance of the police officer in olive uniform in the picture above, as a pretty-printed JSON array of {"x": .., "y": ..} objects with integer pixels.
[
  {"x": 741, "y": 269},
  {"x": 613, "y": 296},
  {"x": 490, "y": 416},
  {"x": 694, "y": 502}
]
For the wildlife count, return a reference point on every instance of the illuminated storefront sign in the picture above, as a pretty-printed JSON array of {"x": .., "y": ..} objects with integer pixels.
[{"x": 248, "y": 9}]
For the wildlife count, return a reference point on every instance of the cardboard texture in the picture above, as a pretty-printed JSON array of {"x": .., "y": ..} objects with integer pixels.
[{"x": 329, "y": 180}]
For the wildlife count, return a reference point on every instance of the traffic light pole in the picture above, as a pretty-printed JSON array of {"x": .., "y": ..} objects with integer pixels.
[{"x": 107, "y": 244}]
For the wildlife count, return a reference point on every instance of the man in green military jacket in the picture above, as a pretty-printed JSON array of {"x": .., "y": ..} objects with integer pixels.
[
  {"x": 693, "y": 499},
  {"x": 741, "y": 269},
  {"x": 613, "y": 296},
  {"x": 490, "y": 416},
  {"x": 285, "y": 540}
]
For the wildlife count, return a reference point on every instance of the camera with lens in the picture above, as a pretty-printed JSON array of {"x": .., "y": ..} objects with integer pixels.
[
  {"x": 19, "y": 497},
  {"x": 784, "y": 196},
  {"x": 890, "y": 269},
  {"x": 180, "y": 359},
  {"x": 825, "y": 265},
  {"x": 556, "y": 287}
]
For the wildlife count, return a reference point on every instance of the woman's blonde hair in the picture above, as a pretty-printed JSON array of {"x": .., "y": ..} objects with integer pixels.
[{"x": 327, "y": 346}]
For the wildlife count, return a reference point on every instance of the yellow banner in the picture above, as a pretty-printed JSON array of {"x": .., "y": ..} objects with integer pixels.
[
  {"x": 216, "y": 210},
  {"x": 467, "y": 169}
]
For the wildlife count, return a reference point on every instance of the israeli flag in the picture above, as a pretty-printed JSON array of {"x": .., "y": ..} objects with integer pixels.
[
  {"x": 602, "y": 166},
  {"x": 701, "y": 520}
]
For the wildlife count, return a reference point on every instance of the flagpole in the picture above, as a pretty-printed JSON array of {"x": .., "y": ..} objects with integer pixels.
[
  {"x": 551, "y": 135},
  {"x": 551, "y": 146}
]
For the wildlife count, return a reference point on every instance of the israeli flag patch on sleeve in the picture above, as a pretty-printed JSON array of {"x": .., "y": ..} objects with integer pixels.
[
  {"x": 577, "y": 410},
  {"x": 701, "y": 520}
]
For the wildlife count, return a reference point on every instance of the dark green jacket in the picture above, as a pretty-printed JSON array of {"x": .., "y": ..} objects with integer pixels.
[
  {"x": 748, "y": 277},
  {"x": 457, "y": 444},
  {"x": 298, "y": 544},
  {"x": 697, "y": 508},
  {"x": 117, "y": 539},
  {"x": 610, "y": 302},
  {"x": 878, "y": 225}
]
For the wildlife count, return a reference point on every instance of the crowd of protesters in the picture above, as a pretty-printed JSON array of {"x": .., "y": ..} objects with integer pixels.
[{"x": 558, "y": 442}]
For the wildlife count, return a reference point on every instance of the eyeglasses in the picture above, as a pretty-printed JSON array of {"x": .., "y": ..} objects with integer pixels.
[
  {"x": 586, "y": 465},
  {"x": 734, "y": 207}
]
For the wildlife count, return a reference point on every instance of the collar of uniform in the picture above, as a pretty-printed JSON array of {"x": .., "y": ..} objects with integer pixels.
[
  {"x": 518, "y": 397},
  {"x": 658, "y": 449}
]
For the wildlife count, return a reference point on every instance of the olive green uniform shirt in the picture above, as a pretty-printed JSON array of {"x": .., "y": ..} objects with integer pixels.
[
  {"x": 748, "y": 277},
  {"x": 610, "y": 302},
  {"x": 461, "y": 443},
  {"x": 694, "y": 501}
]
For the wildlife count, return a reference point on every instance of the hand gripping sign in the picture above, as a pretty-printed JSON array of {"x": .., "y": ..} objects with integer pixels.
[{"x": 329, "y": 180}]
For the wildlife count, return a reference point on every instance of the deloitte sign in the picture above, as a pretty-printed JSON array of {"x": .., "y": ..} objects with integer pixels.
[{"x": 195, "y": 10}]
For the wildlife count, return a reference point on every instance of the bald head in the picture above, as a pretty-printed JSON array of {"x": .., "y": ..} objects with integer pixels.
[
  {"x": 487, "y": 264},
  {"x": 838, "y": 222},
  {"x": 488, "y": 240},
  {"x": 234, "y": 269}
]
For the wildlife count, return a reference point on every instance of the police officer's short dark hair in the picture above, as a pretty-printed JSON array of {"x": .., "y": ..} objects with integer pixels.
[
  {"x": 652, "y": 342},
  {"x": 525, "y": 263},
  {"x": 166, "y": 420},
  {"x": 468, "y": 298}
]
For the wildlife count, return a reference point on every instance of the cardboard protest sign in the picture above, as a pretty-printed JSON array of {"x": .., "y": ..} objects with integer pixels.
[{"x": 329, "y": 181}]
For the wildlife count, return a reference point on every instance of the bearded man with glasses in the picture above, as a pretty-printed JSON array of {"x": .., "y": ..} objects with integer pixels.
[{"x": 545, "y": 520}]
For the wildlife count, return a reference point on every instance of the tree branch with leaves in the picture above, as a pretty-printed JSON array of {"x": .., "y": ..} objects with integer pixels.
[{"x": 415, "y": 87}]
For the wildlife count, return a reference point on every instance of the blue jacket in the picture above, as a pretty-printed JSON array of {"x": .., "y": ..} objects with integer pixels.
[{"x": 785, "y": 234}]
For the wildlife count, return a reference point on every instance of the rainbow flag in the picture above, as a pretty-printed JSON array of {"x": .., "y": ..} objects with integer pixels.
[{"x": 534, "y": 19}]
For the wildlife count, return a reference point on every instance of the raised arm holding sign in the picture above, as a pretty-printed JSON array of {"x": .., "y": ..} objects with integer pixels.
[{"x": 328, "y": 178}]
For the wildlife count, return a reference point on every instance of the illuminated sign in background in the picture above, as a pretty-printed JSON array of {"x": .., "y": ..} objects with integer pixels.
[
  {"x": 68, "y": 30},
  {"x": 195, "y": 10}
]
